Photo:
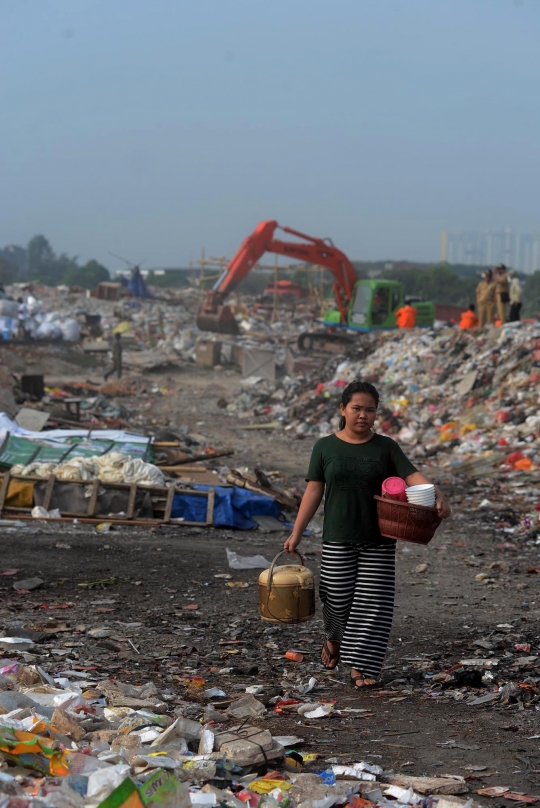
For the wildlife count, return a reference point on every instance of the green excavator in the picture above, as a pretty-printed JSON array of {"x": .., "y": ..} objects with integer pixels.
[{"x": 360, "y": 305}]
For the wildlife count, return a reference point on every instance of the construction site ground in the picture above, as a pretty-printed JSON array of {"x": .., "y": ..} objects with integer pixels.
[{"x": 150, "y": 576}]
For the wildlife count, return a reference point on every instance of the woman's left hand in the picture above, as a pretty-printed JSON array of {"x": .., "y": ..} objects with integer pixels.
[{"x": 443, "y": 508}]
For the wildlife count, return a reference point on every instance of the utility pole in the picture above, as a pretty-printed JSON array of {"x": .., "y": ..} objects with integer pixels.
[
  {"x": 444, "y": 246},
  {"x": 201, "y": 278},
  {"x": 274, "y": 309}
]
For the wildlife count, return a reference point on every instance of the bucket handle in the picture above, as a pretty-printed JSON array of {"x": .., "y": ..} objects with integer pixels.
[{"x": 271, "y": 573}]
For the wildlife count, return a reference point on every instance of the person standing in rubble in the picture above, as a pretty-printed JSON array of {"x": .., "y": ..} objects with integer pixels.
[
  {"x": 116, "y": 357},
  {"x": 515, "y": 298},
  {"x": 406, "y": 316},
  {"x": 469, "y": 318},
  {"x": 358, "y": 564},
  {"x": 22, "y": 317},
  {"x": 485, "y": 299},
  {"x": 502, "y": 292}
]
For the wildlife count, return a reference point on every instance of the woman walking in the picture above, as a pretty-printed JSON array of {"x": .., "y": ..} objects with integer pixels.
[{"x": 358, "y": 564}]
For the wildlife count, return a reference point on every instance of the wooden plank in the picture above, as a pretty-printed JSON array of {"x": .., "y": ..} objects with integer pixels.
[
  {"x": 7, "y": 508},
  {"x": 147, "y": 450},
  {"x": 182, "y": 467},
  {"x": 169, "y": 504},
  {"x": 4, "y": 443},
  {"x": 93, "y": 498},
  {"x": 49, "y": 492},
  {"x": 166, "y": 497},
  {"x": 4, "y": 489},
  {"x": 210, "y": 506},
  {"x": 131, "y": 501},
  {"x": 205, "y": 456},
  {"x": 34, "y": 455},
  {"x": 97, "y": 520},
  {"x": 67, "y": 452}
]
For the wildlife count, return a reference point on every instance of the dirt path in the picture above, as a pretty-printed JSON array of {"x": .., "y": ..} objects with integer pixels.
[{"x": 411, "y": 724}]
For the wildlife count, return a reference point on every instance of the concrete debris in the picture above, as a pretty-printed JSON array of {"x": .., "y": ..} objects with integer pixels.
[
  {"x": 425, "y": 404},
  {"x": 76, "y": 741}
]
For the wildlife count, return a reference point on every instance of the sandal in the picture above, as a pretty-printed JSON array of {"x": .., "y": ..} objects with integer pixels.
[
  {"x": 331, "y": 655},
  {"x": 367, "y": 682}
]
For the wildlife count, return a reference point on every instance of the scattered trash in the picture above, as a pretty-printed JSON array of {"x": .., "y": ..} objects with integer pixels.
[
  {"x": 28, "y": 584},
  {"x": 246, "y": 707},
  {"x": 238, "y": 562}
]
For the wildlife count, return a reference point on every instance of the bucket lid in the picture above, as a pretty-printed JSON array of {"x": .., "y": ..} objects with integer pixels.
[
  {"x": 288, "y": 575},
  {"x": 394, "y": 485}
]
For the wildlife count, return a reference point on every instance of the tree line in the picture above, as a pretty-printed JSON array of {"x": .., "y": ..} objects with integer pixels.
[
  {"x": 38, "y": 263},
  {"x": 454, "y": 284}
]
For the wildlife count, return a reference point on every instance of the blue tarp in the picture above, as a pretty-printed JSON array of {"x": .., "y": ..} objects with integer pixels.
[
  {"x": 233, "y": 507},
  {"x": 136, "y": 284}
]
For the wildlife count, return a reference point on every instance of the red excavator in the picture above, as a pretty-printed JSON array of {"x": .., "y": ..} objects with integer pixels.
[
  {"x": 215, "y": 316},
  {"x": 361, "y": 305}
]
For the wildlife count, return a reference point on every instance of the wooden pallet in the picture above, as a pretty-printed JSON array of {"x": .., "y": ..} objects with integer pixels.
[{"x": 162, "y": 499}]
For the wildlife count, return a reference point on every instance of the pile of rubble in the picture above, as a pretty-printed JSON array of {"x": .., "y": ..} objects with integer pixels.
[
  {"x": 112, "y": 467},
  {"x": 60, "y": 313},
  {"x": 68, "y": 739},
  {"x": 451, "y": 393}
]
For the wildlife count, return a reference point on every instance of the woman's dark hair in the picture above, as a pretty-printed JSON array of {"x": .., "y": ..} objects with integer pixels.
[{"x": 357, "y": 387}]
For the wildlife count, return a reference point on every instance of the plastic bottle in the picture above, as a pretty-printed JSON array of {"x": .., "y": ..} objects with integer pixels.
[
  {"x": 328, "y": 777},
  {"x": 294, "y": 656}
]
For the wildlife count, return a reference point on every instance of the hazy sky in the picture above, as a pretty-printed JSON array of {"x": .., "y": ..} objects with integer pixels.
[{"x": 150, "y": 128}]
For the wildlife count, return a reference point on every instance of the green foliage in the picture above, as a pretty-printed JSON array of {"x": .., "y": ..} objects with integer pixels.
[
  {"x": 17, "y": 257},
  {"x": 255, "y": 283},
  {"x": 87, "y": 276},
  {"x": 363, "y": 268},
  {"x": 531, "y": 295},
  {"x": 40, "y": 256},
  {"x": 45, "y": 267},
  {"x": 465, "y": 270},
  {"x": 438, "y": 284},
  {"x": 299, "y": 277},
  {"x": 8, "y": 272}
]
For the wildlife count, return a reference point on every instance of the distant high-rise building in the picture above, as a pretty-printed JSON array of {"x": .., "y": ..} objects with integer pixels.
[{"x": 517, "y": 250}]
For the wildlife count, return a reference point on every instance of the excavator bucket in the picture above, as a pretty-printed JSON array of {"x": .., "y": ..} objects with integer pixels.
[{"x": 221, "y": 321}]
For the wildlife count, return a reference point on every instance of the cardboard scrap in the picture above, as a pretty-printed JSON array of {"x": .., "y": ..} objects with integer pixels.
[
  {"x": 126, "y": 795},
  {"x": 164, "y": 790},
  {"x": 66, "y": 725},
  {"x": 430, "y": 785}
]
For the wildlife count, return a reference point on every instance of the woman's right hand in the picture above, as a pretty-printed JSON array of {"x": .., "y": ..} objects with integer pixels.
[{"x": 292, "y": 543}]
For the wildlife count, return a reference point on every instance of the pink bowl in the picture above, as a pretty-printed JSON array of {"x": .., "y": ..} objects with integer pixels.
[{"x": 394, "y": 487}]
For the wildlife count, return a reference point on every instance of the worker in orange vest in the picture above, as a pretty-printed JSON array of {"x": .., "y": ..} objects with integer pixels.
[
  {"x": 406, "y": 316},
  {"x": 469, "y": 318}
]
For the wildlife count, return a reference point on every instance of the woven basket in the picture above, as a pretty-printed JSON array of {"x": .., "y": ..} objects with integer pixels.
[{"x": 407, "y": 522}]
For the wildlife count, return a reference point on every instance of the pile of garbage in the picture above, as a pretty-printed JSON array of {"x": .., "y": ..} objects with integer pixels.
[
  {"x": 60, "y": 313},
  {"x": 70, "y": 740},
  {"x": 112, "y": 467},
  {"x": 451, "y": 393}
]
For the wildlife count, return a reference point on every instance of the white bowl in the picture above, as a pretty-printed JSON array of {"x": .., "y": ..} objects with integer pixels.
[
  {"x": 421, "y": 500},
  {"x": 417, "y": 489}
]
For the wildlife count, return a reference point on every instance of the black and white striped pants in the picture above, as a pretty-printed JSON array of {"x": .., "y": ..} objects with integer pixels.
[{"x": 357, "y": 591}]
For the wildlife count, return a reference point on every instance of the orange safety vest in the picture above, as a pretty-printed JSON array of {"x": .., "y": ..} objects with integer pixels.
[
  {"x": 406, "y": 317},
  {"x": 468, "y": 319}
]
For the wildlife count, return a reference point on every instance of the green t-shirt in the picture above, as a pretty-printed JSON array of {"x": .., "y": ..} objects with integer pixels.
[{"x": 353, "y": 473}]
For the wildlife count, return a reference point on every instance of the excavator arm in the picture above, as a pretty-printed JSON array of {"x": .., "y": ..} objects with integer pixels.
[{"x": 214, "y": 316}]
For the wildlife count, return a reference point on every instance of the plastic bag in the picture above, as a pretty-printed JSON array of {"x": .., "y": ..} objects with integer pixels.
[{"x": 237, "y": 562}]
